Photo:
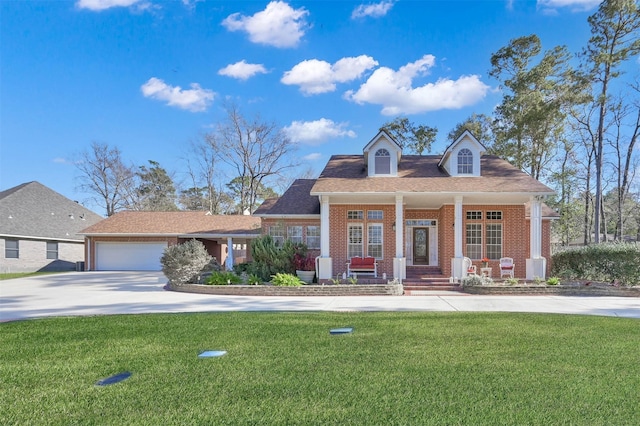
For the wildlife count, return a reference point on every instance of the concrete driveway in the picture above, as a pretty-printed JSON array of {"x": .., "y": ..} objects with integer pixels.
[{"x": 106, "y": 293}]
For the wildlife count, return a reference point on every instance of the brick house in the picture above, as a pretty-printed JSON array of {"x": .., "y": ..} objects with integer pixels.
[
  {"x": 135, "y": 240},
  {"x": 410, "y": 211},
  {"x": 39, "y": 229}
]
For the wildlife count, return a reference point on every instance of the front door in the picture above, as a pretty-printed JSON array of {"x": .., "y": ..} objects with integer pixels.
[{"x": 420, "y": 246}]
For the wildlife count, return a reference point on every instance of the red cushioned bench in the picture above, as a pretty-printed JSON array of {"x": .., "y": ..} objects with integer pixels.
[{"x": 362, "y": 265}]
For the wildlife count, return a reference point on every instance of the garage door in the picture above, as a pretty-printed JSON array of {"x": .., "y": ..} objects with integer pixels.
[{"x": 129, "y": 256}]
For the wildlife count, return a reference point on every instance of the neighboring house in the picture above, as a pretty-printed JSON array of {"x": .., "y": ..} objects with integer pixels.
[
  {"x": 39, "y": 229},
  {"x": 410, "y": 211},
  {"x": 135, "y": 240}
]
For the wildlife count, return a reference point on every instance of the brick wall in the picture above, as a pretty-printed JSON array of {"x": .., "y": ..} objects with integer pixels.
[
  {"x": 515, "y": 234},
  {"x": 33, "y": 257}
]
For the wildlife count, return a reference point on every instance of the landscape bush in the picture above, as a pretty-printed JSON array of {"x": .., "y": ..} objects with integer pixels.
[
  {"x": 223, "y": 278},
  {"x": 183, "y": 263},
  {"x": 270, "y": 258},
  {"x": 475, "y": 280},
  {"x": 607, "y": 262},
  {"x": 286, "y": 280}
]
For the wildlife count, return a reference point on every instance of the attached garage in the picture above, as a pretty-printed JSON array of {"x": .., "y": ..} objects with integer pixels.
[{"x": 129, "y": 256}]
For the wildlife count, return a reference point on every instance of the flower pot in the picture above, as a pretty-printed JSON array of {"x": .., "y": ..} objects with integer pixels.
[{"x": 306, "y": 276}]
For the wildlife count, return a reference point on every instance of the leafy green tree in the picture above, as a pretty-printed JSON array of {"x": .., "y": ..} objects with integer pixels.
[
  {"x": 615, "y": 38},
  {"x": 239, "y": 184},
  {"x": 480, "y": 125},
  {"x": 410, "y": 136},
  {"x": 156, "y": 191},
  {"x": 539, "y": 87}
]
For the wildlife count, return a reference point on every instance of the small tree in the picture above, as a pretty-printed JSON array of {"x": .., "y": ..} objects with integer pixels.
[{"x": 182, "y": 263}]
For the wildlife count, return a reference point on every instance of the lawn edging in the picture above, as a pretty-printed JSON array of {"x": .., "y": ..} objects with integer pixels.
[
  {"x": 563, "y": 290},
  {"x": 305, "y": 290}
]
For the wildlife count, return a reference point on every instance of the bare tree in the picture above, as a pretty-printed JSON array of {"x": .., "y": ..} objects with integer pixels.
[
  {"x": 256, "y": 151},
  {"x": 104, "y": 174},
  {"x": 614, "y": 39}
]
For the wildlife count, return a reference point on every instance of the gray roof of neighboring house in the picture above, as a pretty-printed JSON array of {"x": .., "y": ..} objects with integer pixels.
[
  {"x": 296, "y": 201},
  {"x": 32, "y": 210}
]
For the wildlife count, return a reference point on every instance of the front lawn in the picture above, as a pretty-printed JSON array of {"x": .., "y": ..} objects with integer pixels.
[
  {"x": 286, "y": 368},
  {"x": 12, "y": 275}
]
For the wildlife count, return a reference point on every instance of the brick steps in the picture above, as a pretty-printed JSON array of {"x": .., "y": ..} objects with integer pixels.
[{"x": 424, "y": 279}]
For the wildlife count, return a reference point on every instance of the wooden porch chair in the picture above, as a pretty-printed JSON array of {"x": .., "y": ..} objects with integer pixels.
[{"x": 506, "y": 266}]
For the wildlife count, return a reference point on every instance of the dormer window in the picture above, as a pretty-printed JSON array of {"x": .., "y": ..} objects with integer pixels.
[
  {"x": 465, "y": 162},
  {"x": 382, "y": 162}
]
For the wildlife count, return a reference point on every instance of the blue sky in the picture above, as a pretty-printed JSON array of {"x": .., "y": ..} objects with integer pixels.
[{"x": 150, "y": 77}]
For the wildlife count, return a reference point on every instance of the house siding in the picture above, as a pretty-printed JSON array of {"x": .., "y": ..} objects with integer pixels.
[{"x": 33, "y": 256}]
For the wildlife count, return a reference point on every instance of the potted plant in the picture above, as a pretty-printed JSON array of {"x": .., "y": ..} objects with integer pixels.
[
  {"x": 305, "y": 267},
  {"x": 485, "y": 262}
]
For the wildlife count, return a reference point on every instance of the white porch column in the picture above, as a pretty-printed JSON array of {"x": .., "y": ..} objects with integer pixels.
[
  {"x": 324, "y": 264},
  {"x": 399, "y": 262},
  {"x": 457, "y": 262},
  {"x": 536, "y": 264},
  {"x": 229, "y": 262}
]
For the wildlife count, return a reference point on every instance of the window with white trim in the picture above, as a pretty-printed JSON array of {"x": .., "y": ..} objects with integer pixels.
[
  {"x": 355, "y": 214},
  {"x": 374, "y": 240},
  {"x": 494, "y": 215},
  {"x": 474, "y": 240},
  {"x": 277, "y": 233},
  {"x": 11, "y": 249},
  {"x": 474, "y": 215},
  {"x": 52, "y": 250},
  {"x": 465, "y": 161},
  {"x": 382, "y": 162},
  {"x": 313, "y": 237},
  {"x": 374, "y": 214},
  {"x": 294, "y": 233},
  {"x": 354, "y": 241},
  {"x": 494, "y": 241}
]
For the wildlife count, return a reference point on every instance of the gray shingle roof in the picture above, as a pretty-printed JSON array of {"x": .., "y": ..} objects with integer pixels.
[
  {"x": 296, "y": 200},
  {"x": 32, "y": 210}
]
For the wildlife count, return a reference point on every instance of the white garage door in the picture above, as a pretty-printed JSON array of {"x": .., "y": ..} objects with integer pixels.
[{"x": 129, "y": 256}]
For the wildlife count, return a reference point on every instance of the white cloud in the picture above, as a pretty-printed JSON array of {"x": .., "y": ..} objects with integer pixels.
[
  {"x": 314, "y": 156},
  {"x": 374, "y": 10},
  {"x": 195, "y": 99},
  {"x": 315, "y": 76},
  {"x": 278, "y": 25},
  {"x": 98, "y": 5},
  {"x": 550, "y": 6},
  {"x": 242, "y": 70},
  {"x": 394, "y": 91},
  {"x": 317, "y": 132}
]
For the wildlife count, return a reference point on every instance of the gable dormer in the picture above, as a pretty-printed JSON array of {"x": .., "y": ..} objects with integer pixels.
[
  {"x": 462, "y": 157},
  {"x": 382, "y": 155}
]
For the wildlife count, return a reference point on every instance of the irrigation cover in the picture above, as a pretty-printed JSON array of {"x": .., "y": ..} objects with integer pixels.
[
  {"x": 114, "y": 379},
  {"x": 211, "y": 354},
  {"x": 344, "y": 330}
]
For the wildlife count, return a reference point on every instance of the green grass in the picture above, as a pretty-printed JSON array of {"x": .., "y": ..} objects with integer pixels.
[
  {"x": 12, "y": 275},
  {"x": 285, "y": 368}
]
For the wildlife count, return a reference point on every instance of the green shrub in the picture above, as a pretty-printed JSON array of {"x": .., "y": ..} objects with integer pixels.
[
  {"x": 599, "y": 262},
  {"x": 253, "y": 279},
  {"x": 511, "y": 281},
  {"x": 223, "y": 278},
  {"x": 553, "y": 281},
  {"x": 286, "y": 280},
  {"x": 183, "y": 263},
  {"x": 270, "y": 258}
]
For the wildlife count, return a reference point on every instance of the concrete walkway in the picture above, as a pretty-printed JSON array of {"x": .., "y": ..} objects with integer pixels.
[{"x": 105, "y": 293}]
